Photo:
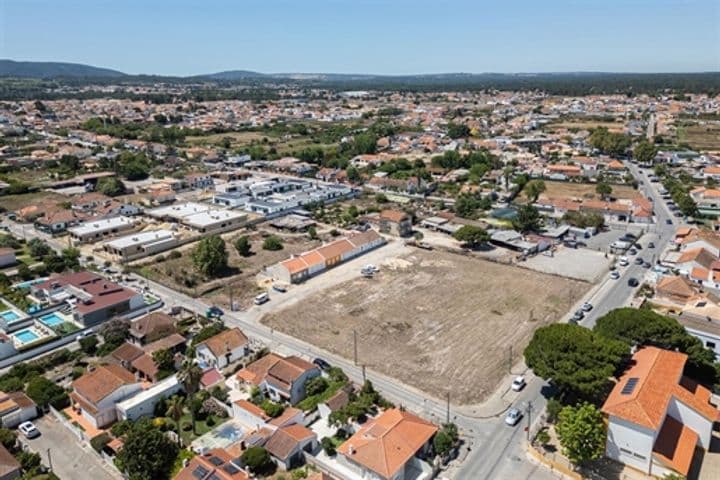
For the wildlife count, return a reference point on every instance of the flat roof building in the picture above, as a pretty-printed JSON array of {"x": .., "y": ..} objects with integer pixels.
[
  {"x": 99, "y": 229},
  {"x": 141, "y": 244}
]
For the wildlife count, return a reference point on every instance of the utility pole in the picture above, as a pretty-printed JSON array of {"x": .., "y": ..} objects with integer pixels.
[
  {"x": 529, "y": 414},
  {"x": 510, "y": 359},
  {"x": 363, "y": 373},
  {"x": 447, "y": 412},
  {"x": 49, "y": 460},
  {"x": 355, "y": 346}
]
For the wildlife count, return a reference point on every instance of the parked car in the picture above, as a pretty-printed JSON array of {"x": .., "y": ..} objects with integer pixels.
[
  {"x": 518, "y": 383},
  {"x": 623, "y": 262},
  {"x": 279, "y": 288},
  {"x": 321, "y": 364},
  {"x": 29, "y": 430},
  {"x": 586, "y": 307},
  {"x": 669, "y": 221},
  {"x": 513, "y": 416},
  {"x": 651, "y": 245},
  {"x": 84, "y": 334},
  {"x": 614, "y": 274},
  {"x": 647, "y": 265},
  {"x": 639, "y": 261},
  {"x": 578, "y": 315},
  {"x": 632, "y": 251},
  {"x": 262, "y": 298},
  {"x": 633, "y": 282},
  {"x": 214, "y": 312}
]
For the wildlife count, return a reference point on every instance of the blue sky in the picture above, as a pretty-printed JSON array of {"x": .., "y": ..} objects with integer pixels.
[{"x": 182, "y": 37}]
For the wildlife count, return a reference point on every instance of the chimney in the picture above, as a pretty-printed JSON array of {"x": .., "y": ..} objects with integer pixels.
[{"x": 351, "y": 450}]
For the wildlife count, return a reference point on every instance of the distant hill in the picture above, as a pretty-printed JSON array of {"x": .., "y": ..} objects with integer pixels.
[
  {"x": 231, "y": 75},
  {"x": 11, "y": 68}
]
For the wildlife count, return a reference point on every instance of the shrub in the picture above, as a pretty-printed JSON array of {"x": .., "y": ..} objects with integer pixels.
[
  {"x": 121, "y": 428},
  {"x": 98, "y": 442},
  {"x": 272, "y": 243},
  {"x": 553, "y": 409},
  {"x": 543, "y": 437},
  {"x": 210, "y": 422},
  {"x": 174, "y": 255},
  {"x": 328, "y": 446}
]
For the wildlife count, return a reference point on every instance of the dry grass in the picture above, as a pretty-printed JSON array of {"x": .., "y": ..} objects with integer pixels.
[
  {"x": 435, "y": 320},
  {"x": 12, "y": 203},
  {"x": 584, "y": 191},
  {"x": 700, "y": 137},
  {"x": 585, "y": 125}
]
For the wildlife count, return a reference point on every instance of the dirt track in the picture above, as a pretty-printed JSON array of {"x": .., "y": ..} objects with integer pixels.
[{"x": 434, "y": 320}]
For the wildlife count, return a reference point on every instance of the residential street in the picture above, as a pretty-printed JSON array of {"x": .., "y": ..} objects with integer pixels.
[{"x": 70, "y": 459}]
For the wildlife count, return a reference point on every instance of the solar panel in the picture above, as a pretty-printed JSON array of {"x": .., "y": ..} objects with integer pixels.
[
  {"x": 231, "y": 469},
  {"x": 629, "y": 386},
  {"x": 200, "y": 472},
  {"x": 216, "y": 461}
]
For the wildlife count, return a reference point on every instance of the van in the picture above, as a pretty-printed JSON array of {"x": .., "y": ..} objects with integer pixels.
[{"x": 262, "y": 298}]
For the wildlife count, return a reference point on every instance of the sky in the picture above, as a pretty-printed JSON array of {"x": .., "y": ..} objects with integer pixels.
[{"x": 183, "y": 37}]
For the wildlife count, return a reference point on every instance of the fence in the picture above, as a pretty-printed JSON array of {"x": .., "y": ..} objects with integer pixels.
[{"x": 66, "y": 422}]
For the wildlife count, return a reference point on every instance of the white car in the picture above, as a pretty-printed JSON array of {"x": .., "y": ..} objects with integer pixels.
[
  {"x": 513, "y": 417},
  {"x": 29, "y": 429},
  {"x": 518, "y": 383},
  {"x": 614, "y": 275}
]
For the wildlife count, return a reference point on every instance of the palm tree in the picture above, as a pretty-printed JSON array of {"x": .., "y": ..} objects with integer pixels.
[
  {"x": 189, "y": 375},
  {"x": 175, "y": 410}
]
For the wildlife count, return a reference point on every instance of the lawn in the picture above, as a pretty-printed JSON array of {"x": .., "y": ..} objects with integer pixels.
[{"x": 201, "y": 427}]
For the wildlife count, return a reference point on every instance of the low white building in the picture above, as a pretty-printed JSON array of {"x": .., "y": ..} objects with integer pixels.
[
  {"x": 96, "y": 230},
  {"x": 143, "y": 403},
  {"x": 657, "y": 417},
  {"x": 141, "y": 244},
  {"x": 96, "y": 393}
]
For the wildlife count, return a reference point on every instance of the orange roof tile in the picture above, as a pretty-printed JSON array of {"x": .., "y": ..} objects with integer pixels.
[{"x": 675, "y": 445}]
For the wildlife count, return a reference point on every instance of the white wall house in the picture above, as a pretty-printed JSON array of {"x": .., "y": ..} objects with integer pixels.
[
  {"x": 658, "y": 441},
  {"x": 222, "y": 349},
  {"x": 96, "y": 393}
]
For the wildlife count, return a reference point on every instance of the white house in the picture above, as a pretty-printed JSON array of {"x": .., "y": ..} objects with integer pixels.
[
  {"x": 222, "y": 349},
  {"x": 143, "y": 403},
  {"x": 657, "y": 417},
  {"x": 15, "y": 408},
  {"x": 96, "y": 393}
]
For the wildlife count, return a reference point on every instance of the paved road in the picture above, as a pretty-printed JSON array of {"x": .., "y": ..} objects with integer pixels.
[{"x": 70, "y": 459}]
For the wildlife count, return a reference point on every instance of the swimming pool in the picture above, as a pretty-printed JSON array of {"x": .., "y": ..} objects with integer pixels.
[
  {"x": 51, "y": 320},
  {"x": 9, "y": 316},
  {"x": 26, "y": 336}
]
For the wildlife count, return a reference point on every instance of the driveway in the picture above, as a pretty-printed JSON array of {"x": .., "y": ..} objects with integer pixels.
[{"x": 70, "y": 458}]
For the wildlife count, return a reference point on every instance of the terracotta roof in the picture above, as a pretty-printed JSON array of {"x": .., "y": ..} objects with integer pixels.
[
  {"x": 256, "y": 372},
  {"x": 253, "y": 409},
  {"x": 335, "y": 249},
  {"x": 288, "y": 414},
  {"x": 363, "y": 238},
  {"x": 156, "y": 322},
  {"x": 146, "y": 365},
  {"x": 675, "y": 286},
  {"x": 127, "y": 352},
  {"x": 210, "y": 377},
  {"x": 285, "y": 372},
  {"x": 386, "y": 443},
  {"x": 697, "y": 255},
  {"x": 217, "y": 464},
  {"x": 8, "y": 463},
  {"x": 298, "y": 432},
  {"x": 312, "y": 258},
  {"x": 396, "y": 216},
  {"x": 281, "y": 444},
  {"x": 650, "y": 383},
  {"x": 225, "y": 341},
  {"x": 294, "y": 265},
  {"x": 171, "y": 341},
  {"x": 675, "y": 445},
  {"x": 101, "y": 382}
]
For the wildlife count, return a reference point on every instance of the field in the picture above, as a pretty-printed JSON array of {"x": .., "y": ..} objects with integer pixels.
[
  {"x": 585, "y": 125},
  {"x": 238, "y": 138},
  {"x": 12, "y": 203},
  {"x": 239, "y": 281},
  {"x": 434, "y": 320},
  {"x": 584, "y": 191},
  {"x": 700, "y": 137}
]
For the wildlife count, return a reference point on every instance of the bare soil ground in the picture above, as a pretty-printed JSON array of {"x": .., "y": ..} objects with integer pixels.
[
  {"x": 584, "y": 191},
  {"x": 12, "y": 203},
  {"x": 240, "y": 280},
  {"x": 700, "y": 137},
  {"x": 435, "y": 320}
]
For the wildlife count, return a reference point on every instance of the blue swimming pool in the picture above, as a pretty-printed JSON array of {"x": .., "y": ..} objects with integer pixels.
[
  {"x": 26, "y": 336},
  {"x": 51, "y": 320},
  {"x": 9, "y": 316}
]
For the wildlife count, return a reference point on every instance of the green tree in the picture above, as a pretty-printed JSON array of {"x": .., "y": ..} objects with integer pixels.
[
  {"x": 257, "y": 460},
  {"x": 272, "y": 243},
  {"x": 603, "y": 189},
  {"x": 38, "y": 248},
  {"x": 24, "y": 272},
  {"x": 466, "y": 205},
  {"x": 576, "y": 360},
  {"x": 581, "y": 431},
  {"x": 644, "y": 152},
  {"x": 471, "y": 235},
  {"x": 312, "y": 233},
  {"x": 353, "y": 174},
  {"x": 110, "y": 186},
  {"x": 686, "y": 204},
  {"x": 458, "y": 130},
  {"x": 608, "y": 142},
  {"x": 446, "y": 439},
  {"x": 644, "y": 327},
  {"x": 176, "y": 410},
  {"x": 164, "y": 360},
  {"x": 89, "y": 344},
  {"x": 44, "y": 392},
  {"x": 315, "y": 386},
  {"x": 8, "y": 438},
  {"x": 189, "y": 375},
  {"x": 243, "y": 246},
  {"x": 527, "y": 220},
  {"x": 147, "y": 453},
  {"x": 210, "y": 256},
  {"x": 365, "y": 143},
  {"x": 533, "y": 189}
]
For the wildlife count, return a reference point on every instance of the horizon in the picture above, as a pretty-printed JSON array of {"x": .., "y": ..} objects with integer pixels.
[{"x": 370, "y": 37}]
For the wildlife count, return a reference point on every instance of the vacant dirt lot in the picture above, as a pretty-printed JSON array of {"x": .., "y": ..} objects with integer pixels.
[
  {"x": 239, "y": 280},
  {"x": 584, "y": 191},
  {"x": 434, "y": 320},
  {"x": 700, "y": 136},
  {"x": 585, "y": 125}
]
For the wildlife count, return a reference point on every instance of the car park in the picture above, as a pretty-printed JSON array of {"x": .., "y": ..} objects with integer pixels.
[
  {"x": 29, "y": 430},
  {"x": 513, "y": 416},
  {"x": 518, "y": 383},
  {"x": 633, "y": 282}
]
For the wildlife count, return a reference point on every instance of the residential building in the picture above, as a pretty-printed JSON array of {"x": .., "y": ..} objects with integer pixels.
[
  {"x": 9, "y": 466},
  {"x": 16, "y": 408},
  {"x": 389, "y": 447},
  {"x": 285, "y": 381},
  {"x": 143, "y": 403},
  {"x": 217, "y": 464},
  {"x": 92, "y": 298},
  {"x": 287, "y": 444},
  {"x": 395, "y": 222},
  {"x": 151, "y": 327},
  {"x": 222, "y": 349},
  {"x": 657, "y": 417},
  {"x": 141, "y": 244},
  {"x": 96, "y": 230},
  {"x": 7, "y": 257},
  {"x": 96, "y": 393}
]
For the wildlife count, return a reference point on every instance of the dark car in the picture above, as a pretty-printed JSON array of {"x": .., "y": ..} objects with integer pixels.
[
  {"x": 633, "y": 282},
  {"x": 639, "y": 261},
  {"x": 322, "y": 364},
  {"x": 669, "y": 221},
  {"x": 651, "y": 245}
]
